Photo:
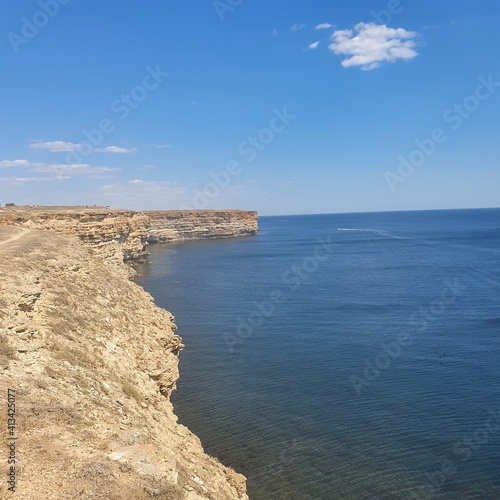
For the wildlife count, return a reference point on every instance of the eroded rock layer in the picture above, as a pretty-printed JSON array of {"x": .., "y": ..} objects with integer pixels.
[{"x": 179, "y": 225}]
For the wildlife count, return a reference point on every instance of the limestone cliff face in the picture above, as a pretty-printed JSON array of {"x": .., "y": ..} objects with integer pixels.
[
  {"x": 116, "y": 233},
  {"x": 93, "y": 362},
  {"x": 179, "y": 225},
  {"x": 124, "y": 234}
]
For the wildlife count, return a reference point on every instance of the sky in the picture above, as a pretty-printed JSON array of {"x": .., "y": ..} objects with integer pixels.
[{"x": 280, "y": 106}]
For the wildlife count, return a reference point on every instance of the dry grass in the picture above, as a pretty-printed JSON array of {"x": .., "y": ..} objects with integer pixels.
[
  {"x": 214, "y": 458},
  {"x": 106, "y": 483},
  {"x": 60, "y": 327},
  {"x": 130, "y": 391},
  {"x": 42, "y": 383},
  {"x": 161, "y": 490},
  {"x": 3, "y": 307},
  {"x": 6, "y": 350},
  {"x": 70, "y": 415},
  {"x": 66, "y": 322},
  {"x": 52, "y": 373},
  {"x": 81, "y": 380},
  {"x": 74, "y": 355},
  {"x": 98, "y": 472}
]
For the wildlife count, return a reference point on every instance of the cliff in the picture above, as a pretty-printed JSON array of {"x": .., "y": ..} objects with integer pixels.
[
  {"x": 92, "y": 362},
  {"x": 125, "y": 234},
  {"x": 178, "y": 225}
]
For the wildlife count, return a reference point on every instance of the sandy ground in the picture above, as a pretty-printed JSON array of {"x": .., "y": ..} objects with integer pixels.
[{"x": 10, "y": 235}]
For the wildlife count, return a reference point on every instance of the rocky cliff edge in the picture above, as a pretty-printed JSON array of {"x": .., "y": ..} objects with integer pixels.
[
  {"x": 92, "y": 361},
  {"x": 125, "y": 234}
]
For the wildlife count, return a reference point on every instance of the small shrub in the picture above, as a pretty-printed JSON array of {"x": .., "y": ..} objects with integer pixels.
[
  {"x": 98, "y": 472},
  {"x": 6, "y": 350}
]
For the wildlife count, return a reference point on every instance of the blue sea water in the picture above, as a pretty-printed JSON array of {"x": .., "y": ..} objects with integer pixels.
[{"x": 354, "y": 364}]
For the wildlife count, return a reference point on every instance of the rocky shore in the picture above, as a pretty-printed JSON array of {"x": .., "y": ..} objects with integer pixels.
[{"x": 93, "y": 361}]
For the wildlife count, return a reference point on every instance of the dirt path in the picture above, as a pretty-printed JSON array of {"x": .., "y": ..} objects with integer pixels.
[{"x": 22, "y": 232}]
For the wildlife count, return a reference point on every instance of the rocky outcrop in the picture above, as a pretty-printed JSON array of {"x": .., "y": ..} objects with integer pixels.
[
  {"x": 93, "y": 361},
  {"x": 124, "y": 234}
]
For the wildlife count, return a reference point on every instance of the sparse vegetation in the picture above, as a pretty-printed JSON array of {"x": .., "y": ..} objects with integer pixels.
[
  {"x": 130, "y": 391},
  {"x": 98, "y": 472},
  {"x": 51, "y": 372},
  {"x": 214, "y": 458},
  {"x": 71, "y": 415},
  {"x": 3, "y": 307},
  {"x": 76, "y": 357},
  {"x": 61, "y": 328},
  {"x": 6, "y": 350},
  {"x": 42, "y": 384},
  {"x": 80, "y": 380},
  {"x": 160, "y": 489}
]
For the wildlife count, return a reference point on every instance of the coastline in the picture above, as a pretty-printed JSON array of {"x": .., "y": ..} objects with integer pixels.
[
  {"x": 95, "y": 361},
  {"x": 125, "y": 234}
]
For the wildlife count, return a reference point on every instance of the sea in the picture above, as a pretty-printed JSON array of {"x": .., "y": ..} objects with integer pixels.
[{"x": 343, "y": 356}]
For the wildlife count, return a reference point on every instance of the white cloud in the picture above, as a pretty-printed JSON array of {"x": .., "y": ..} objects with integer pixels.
[
  {"x": 274, "y": 32},
  {"x": 62, "y": 172},
  {"x": 136, "y": 182},
  {"x": 55, "y": 171},
  {"x": 314, "y": 45},
  {"x": 116, "y": 149},
  {"x": 297, "y": 27},
  {"x": 56, "y": 146},
  {"x": 369, "y": 45},
  {"x": 17, "y": 181},
  {"x": 323, "y": 26},
  {"x": 163, "y": 146},
  {"x": 14, "y": 163}
]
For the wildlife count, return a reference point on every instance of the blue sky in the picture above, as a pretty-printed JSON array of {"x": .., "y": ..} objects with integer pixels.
[{"x": 279, "y": 106}]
